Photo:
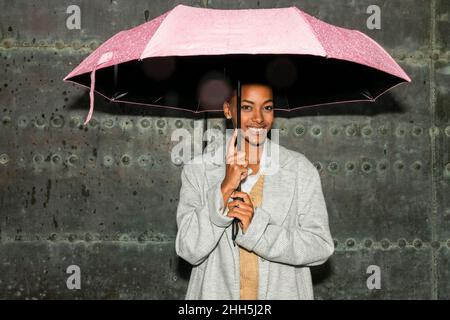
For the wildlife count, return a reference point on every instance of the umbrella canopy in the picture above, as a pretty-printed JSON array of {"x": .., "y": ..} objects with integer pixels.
[{"x": 185, "y": 59}]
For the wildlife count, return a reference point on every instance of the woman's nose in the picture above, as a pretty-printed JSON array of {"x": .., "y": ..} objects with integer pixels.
[{"x": 258, "y": 116}]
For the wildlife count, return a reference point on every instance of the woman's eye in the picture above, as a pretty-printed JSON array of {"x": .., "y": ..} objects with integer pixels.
[
  {"x": 245, "y": 107},
  {"x": 268, "y": 107}
]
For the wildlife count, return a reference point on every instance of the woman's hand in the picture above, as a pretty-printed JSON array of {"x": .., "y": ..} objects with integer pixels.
[
  {"x": 236, "y": 166},
  {"x": 242, "y": 210}
]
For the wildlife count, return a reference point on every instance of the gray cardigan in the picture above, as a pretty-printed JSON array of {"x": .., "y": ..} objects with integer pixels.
[{"x": 289, "y": 232}]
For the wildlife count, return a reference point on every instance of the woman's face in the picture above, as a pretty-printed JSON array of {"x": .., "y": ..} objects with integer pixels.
[{"x": 257, "y": 112}]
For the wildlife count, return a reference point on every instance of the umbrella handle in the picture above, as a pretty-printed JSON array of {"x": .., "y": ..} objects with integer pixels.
[{"x": 235, "y": 228}]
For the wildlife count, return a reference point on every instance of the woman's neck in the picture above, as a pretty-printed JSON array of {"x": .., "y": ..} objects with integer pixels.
[{"x": 253, "y": 153}]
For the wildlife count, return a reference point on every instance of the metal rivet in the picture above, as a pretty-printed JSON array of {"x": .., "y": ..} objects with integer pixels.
[
  {"x": 417, "y": 131},
  {"x": 91, "y": 160},
  {"x": 145, "y": 123},
  {"x": 77, "y": 45},
  {"x": 318, "y": 165},
  {"x": 126, "y": 124},
  {"x": 21, "y": 162},
  {"x": 366, "y": 167},
  {"x": 88, "y": 237},
  {"x": 56, "y": 158},
  {"x": 93, "y": 45},
  {"x": 417, "y": 243},
  {"x": 402, "y": 243},
  {"x": 37, "y": 158},
  {"x": 434, "y": 131},
  {"x": 447, "y": 167},
  {"x": 283, "y": 130},
  {"x": 72, "y": 159},
  {"x": 316, "y": 131},
  {"x": 179, "y": 124},
  {"x": 22, "y": 122},
  {"x": 123, "y": 237},
  {"x": 382, "y": 166},
  {"x": 108, "y": 161},
  {"x": 126, "y": 159},
  {"x": 334, "y": 131},
  {"x": 300, "y": 130},
  {"x": 400, "y": 131},
  {"x": 350, "y": 130},
  {"x": 435, "y": 244},
  {"x": 4, "y": 159},
  {"x": 350, "y": 242},
  {"x": 435, "y": 55},
  {"x": 7, "y": 44},
  {"x": 72, "y": 237},
  {"x": 143, "y": 160},
  {"x": 333, "y": 166},
  {"x": 418, "y": 55},
  {"x": 59, "y": 44},
  {"x": 57, "y": 121},
  {"x": 417, "y": 165},
  {"x": 367, "y": 131},
  {"x": 108, "y": 123},
  {"x": 447, "y": 131},
  {"x": 382, "y": 130},
  {"x": 75, "y": 122},
  {"x": 385, "y": 243},
  {"x": 53, "y": 237},
  {"x": 6, "y": 120},
  {"x": 368, "y": 243},
  {"x": 178, "y": 161},
  {"x": 350, "y": 166},
  {"x": 39, "y": 123},
  {"x": 93, "y": 122},
  {"x": 141, "y": 237},
  {"x": 161, "y": 123},
  {"x": 399, "y": 165}
]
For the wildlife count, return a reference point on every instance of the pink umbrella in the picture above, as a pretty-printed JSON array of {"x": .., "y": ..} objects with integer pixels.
[
  {"x": 170, "y": 61},
  {"x": 161, "y": 63}
]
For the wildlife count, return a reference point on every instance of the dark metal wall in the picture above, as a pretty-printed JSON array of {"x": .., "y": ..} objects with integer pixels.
[{"x": 103, "y": 197}]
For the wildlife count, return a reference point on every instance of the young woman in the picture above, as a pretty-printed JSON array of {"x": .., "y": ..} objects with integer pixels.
[{"x": 283, "y": 216}]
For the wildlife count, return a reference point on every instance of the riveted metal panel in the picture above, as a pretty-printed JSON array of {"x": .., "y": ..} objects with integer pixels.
[
  {"x": 404, "y": 273},
  {"x": 108, "y": 270},
  {"x": 444, "y": 272}
]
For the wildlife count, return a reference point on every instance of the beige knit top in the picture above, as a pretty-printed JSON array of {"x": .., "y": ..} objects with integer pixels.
[{"x": 249, "y": 260}]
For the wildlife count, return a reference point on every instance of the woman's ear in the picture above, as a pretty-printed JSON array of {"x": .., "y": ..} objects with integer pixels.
[{"x": 226, "y": 110}]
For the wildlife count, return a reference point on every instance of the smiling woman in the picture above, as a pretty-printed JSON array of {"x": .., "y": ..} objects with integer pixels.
[
  {"x": 257, "y": 116},
  {"x": 282, "y": 214}
]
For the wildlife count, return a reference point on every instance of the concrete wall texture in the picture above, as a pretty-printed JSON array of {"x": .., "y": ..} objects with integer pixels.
[{"x": 103, "y": 197}]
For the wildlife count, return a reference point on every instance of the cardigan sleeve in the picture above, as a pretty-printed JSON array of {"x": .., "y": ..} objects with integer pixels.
[
  {"x": 306, "y": 243},
  {"x": 200, "y": 224}
]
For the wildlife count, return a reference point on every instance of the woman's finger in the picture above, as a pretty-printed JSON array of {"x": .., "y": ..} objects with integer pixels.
[
  {"x": 236, "y": 159},
  {"x": 235, "y": 213},
  {"x": 242, "y": 195},
  {"x": 239, "y": 204},
  {"x": 242, "y": 211},
  {"x": 231, "y": 147}
]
